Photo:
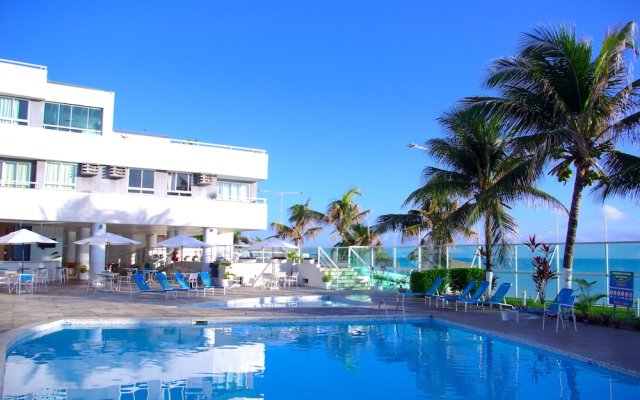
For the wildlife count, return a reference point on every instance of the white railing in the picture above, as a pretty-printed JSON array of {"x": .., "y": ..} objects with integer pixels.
[
  {"x": 218, "y": 146},
  {"x": 324, "y": 260}
]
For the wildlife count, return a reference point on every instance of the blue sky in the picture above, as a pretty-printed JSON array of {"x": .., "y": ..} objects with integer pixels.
[{"x": 333, "y": 90}]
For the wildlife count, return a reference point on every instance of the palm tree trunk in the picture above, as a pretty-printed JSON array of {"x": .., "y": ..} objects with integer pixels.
[
  {"x": 572, "y": 229},
  {"x": 488, "y": 257}
]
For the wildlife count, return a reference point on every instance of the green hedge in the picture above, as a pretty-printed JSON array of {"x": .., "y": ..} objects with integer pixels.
[
  {"x": 455, "y": 278},
  {"x": 459, "y": 277}
]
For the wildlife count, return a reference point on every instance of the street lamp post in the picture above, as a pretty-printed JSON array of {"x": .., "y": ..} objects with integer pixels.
[
  {"x": 281, "y": 199},
  {"x": 417, "y": 146}
]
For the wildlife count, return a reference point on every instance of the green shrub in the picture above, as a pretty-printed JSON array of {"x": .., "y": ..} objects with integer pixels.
[
  {"x": 455, "y": 278},
  {"x": 420, "y": 281},
  {"x": 459, "y": 277}
]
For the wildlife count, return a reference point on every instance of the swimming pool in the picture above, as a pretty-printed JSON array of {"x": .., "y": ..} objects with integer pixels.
[
  {"x": 289, "y": 301},
  {"x": 357, "y": 359}
]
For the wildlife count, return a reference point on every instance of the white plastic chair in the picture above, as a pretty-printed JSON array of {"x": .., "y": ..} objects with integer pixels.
[
  {"x": 193, "y": 280},
  {"x": 40, "y": 279},
  {"x": 292, "y": 280}
]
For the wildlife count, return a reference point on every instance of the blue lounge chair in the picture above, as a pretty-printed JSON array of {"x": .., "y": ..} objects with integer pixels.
[
  {"x": 475, "y": 297},
  {"x": 463, "y": 295},
  {"x": 432, "y": 292},
  {"x": 144, "y": 287},
  {"x": 165, "y": 285},
  {"x": 498, "y": 297},
  {"x": 207, "y": 284},
  {"x": 562, "y": 307},
  {"x": 184, "y": 284}
]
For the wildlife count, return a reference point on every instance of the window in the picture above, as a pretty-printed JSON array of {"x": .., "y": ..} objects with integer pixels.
[
  {"x": 13, "y": 111},
  {"x": 234, "y": 191},
  {"x": 141, "y": 181},
  {"x": 15, "y": 174},
  {"x": 179, "y": 184},
  {"x": 65, "y": 117},
  {"x": 60, "y": 176}
]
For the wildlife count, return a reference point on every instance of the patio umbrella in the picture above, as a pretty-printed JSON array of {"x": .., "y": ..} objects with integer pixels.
[
  {"x": 183, "y": 241},
  {"x": 106, "y": 239},
  {"x": 274, "y": 243},
  {"x": 22, "y": 237}
]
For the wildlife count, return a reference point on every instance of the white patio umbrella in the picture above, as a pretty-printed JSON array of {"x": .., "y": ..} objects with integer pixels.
[
  {"x": 274, "y": 243},
  {"x": 106, "y": 239},
  {"x": 183, "y": 241},
  {"x": 22, "y": 237}
]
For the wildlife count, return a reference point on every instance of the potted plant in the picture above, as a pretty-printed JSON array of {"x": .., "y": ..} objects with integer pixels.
[
  {"x": 83, "y": 272},
  {"x": 227, "y": 274},
  {"x": 326, "y": 280}
]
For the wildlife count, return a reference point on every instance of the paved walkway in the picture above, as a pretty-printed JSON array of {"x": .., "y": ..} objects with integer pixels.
[{"x": 618, "y": 348}]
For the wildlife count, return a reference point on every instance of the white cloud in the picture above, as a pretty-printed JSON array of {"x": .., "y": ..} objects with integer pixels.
[{"x": 612, "y": 213}]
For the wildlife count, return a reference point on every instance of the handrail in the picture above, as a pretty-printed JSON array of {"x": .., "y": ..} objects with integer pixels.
[
  {"x": 331, "y": 265},
  {"x": 356, "y": 254}
]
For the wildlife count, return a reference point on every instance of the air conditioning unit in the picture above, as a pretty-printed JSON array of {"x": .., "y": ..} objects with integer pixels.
[
  {"x": 117, "y": 172},
  {"x": 203, "y": 179},
  {"x": 87, "y": 169}
]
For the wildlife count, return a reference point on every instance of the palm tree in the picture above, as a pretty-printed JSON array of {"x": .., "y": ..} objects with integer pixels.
[
  {"x": 484, "y": 174},
  {"x": 424, "y": 222},
  {"x": 344, "y": 213},
  {"x": 304, "y": 224},
  {"x": 239, "y": 238},
  {"x": 572, "y": 107},
  {"x": 360, "y": 235},
  {"x": 623, "y": 179}
]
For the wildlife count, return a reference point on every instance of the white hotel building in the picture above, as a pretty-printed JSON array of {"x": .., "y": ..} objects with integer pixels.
[{"x": 67, "y": 174}]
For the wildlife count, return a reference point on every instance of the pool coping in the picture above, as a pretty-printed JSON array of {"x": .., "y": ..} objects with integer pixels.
[{"x": 27, "y": 332}]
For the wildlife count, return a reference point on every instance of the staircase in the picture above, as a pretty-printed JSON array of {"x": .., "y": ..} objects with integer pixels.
[{"x": 349, "y": 279}]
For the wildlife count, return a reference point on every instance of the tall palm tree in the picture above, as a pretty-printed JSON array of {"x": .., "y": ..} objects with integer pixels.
[
  {"x": 304, "y": 224},
  {"x": 484, "y": 174},
  {"x": 239, "y": 238},
  {"x": 623, "y": 178},
  {"x": 345, "y": 212},
  {"x": 571, "y": 106},
  {"x": 425, "y": 221},
  {"x": 360, "y": 235}
]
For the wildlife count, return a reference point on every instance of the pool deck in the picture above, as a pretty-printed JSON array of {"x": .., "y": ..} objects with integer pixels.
[{"x": 614, "y": 348}]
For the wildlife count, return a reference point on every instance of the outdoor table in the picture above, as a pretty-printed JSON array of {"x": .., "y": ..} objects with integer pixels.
[{"x": 108, "y": 278}]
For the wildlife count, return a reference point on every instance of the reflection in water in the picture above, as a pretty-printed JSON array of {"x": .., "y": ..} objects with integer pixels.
[{"x": 424, "y": 361}]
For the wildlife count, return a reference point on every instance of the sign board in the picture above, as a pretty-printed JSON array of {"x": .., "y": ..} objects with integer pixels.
[{"x": 621, "y": 288}]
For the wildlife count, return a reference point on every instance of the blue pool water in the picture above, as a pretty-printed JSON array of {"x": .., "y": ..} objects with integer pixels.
[
  {"x": 355, "y": 360},
  {"x": 289, "y": 301}
]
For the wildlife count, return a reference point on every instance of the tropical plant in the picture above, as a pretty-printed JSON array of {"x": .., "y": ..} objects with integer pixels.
[
  {"x": 425, "y": 222},
  {"x": 83, "y": 269},
  {"x": 571, "y": 107},
  {"x": 326, "y": 277},
  {"x": 239, "y": 238},
  {"x": 542, "y": 272},
  {"x": 344, "y": 214},
  {"x": 485, "y": 175},
  {"x": 586, "y": 299},
  {"x": 304, "y": 224},
  {"x": 378, "y": 275}
]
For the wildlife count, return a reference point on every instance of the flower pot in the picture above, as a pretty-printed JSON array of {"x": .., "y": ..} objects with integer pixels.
[
  {"x": 326, "y": 285},
  {"x": 225, "y": 282},
  {"x": 83, "y": 276}
]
